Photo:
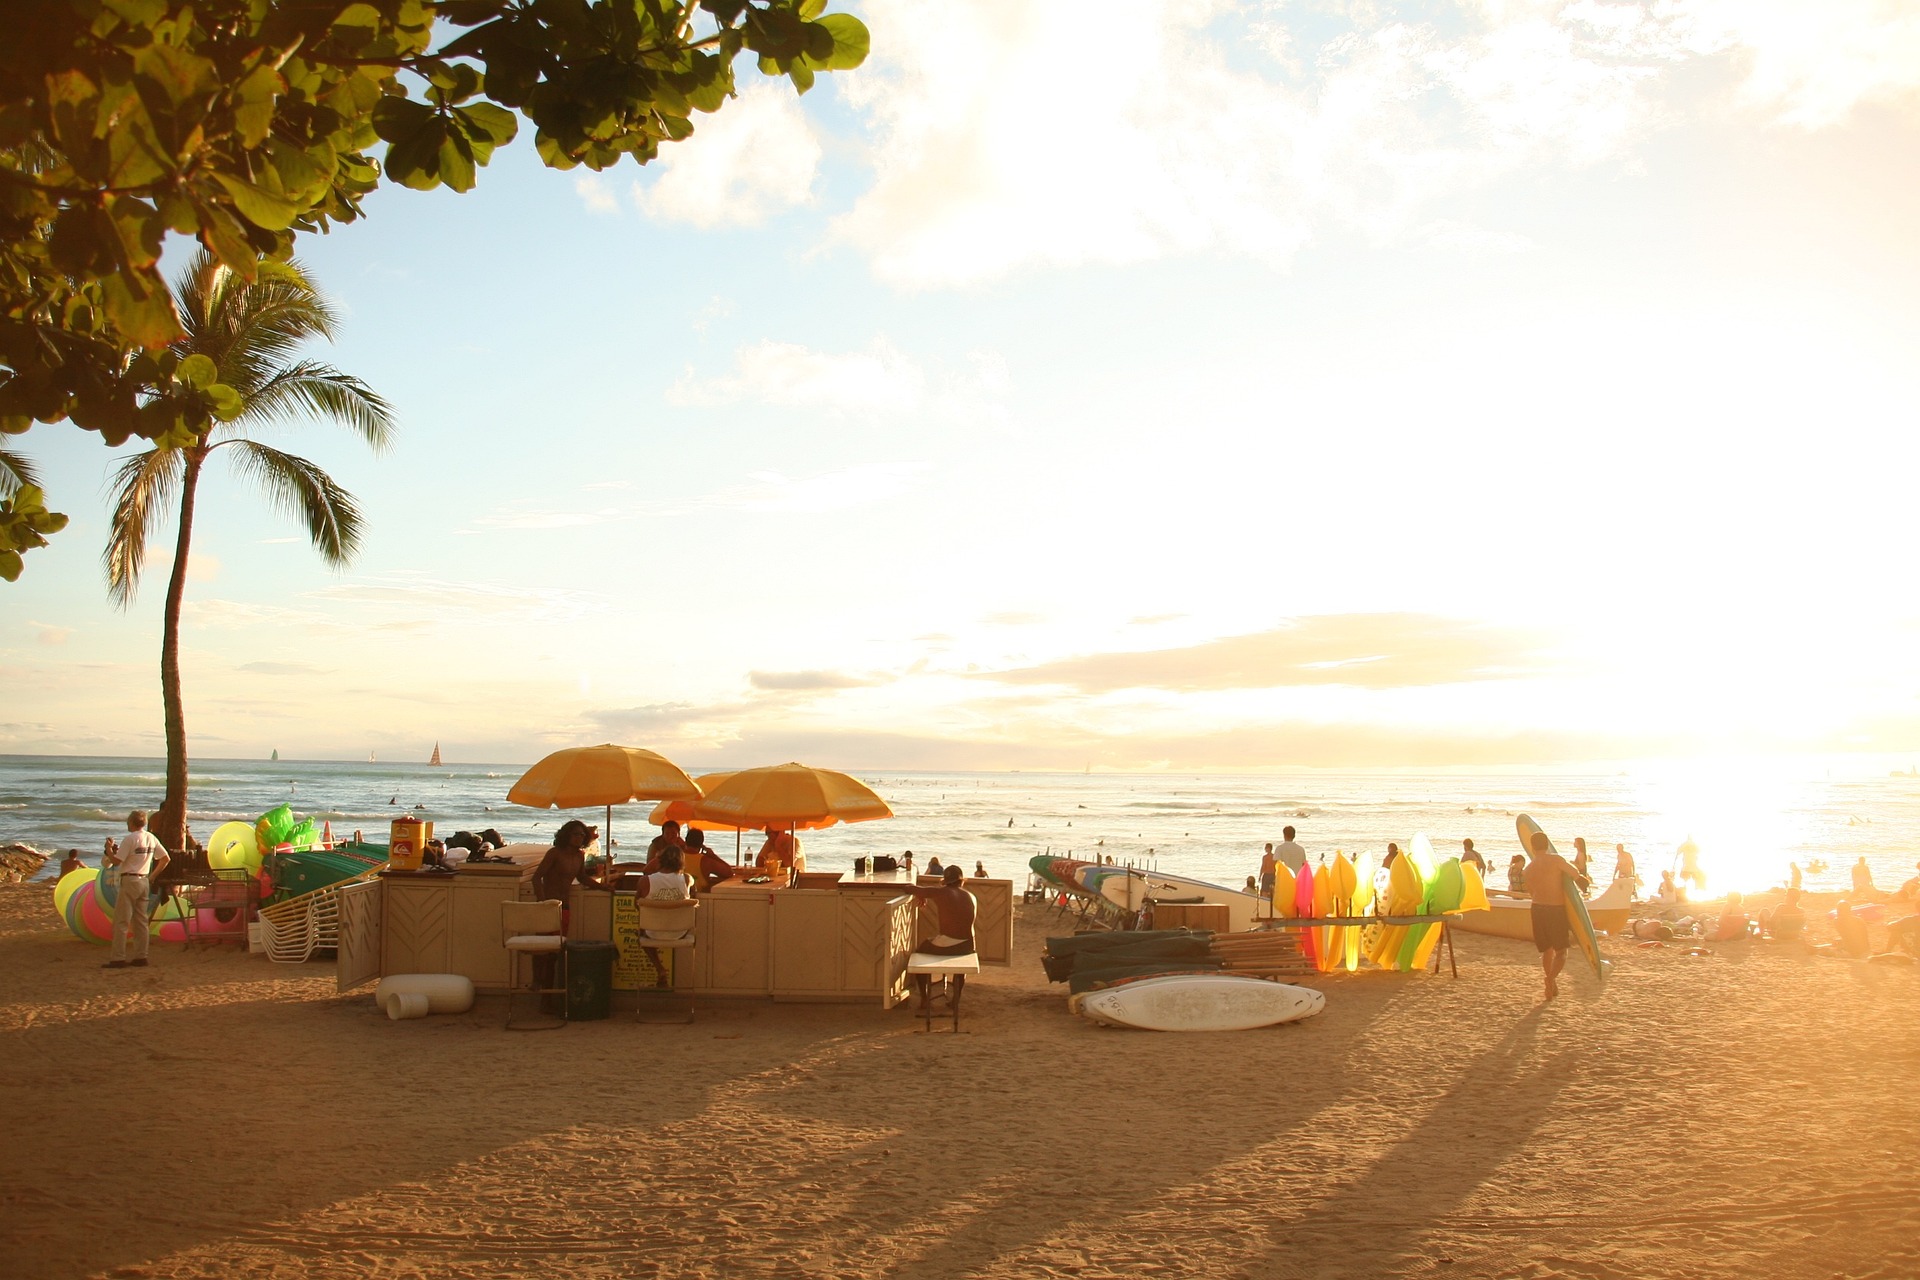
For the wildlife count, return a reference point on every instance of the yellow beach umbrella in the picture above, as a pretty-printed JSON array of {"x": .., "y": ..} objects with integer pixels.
[
  {"x": 585, "y": 777},
  {"x": 787, "y": 796}
]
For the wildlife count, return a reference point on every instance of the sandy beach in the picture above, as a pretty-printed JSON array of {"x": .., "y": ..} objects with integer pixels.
[{"x": 1750, "y": 1113}]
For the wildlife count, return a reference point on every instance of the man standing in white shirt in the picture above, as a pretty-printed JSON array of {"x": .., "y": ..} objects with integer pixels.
[
  {"x": 1290, "y": 851},
  {"x": 140, "y": 858}
]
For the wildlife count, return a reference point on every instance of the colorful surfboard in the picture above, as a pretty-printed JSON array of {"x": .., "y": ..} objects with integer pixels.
[
  {"x": 1323, "y": 906},
  {"x": 1303, "y": 906},
  {"x": 1282, "y": 889}
]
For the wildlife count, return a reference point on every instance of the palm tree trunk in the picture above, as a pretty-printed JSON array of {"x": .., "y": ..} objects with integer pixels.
[{"x": 170, "y": 823}]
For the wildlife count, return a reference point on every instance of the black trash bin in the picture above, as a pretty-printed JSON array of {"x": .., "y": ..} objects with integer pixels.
[{"x": 590, "y": 980}]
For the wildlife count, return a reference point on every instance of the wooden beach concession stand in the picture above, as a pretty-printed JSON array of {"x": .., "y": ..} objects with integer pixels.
[
  {"x": 801, "y": 937},
  {"x": 821, "y": 939}
]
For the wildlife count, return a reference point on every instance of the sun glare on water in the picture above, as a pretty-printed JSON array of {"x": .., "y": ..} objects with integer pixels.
[{"x": 1748, "y": 818}]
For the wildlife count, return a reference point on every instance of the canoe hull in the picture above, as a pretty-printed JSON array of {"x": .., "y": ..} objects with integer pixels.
[{"x": 1513, "y": 917}]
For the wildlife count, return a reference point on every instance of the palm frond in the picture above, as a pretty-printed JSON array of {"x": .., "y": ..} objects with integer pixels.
[
  {"x": 300, "y": 488},
  {"x": 321, "y": 392},
  {"x": 143, "y": 489},
  {"x": 250, "y": 329},
  {"x": 16, "y": 469}
]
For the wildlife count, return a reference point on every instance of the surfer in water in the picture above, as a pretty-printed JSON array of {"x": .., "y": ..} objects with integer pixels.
[{"x": 1546, "y": 885}]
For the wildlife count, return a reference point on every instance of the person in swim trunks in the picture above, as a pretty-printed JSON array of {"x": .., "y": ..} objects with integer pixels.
[
  {"x": 1547, "y": 888},
  {"x": 956, "y": 909}
]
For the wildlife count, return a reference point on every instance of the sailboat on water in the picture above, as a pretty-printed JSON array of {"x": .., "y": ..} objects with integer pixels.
[
  {"x": 436, "y": 755},
  {"x": 276, "y": 753}
]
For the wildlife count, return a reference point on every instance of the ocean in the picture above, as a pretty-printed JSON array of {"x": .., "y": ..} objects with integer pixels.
[{"x": 1748, "y": 821}]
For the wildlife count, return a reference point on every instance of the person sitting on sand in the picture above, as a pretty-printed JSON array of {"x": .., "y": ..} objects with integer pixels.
[
  {"x": 1785, "y": 921},
  {"x": 1851, "y": 928},
  {"x": 1253, "y": 887},
  {"x": 1670, "y": 893},
  {"x": 1546, "y": 874},
  {"x": 71, "y": 862},
  {"x": 933, "y": 867},
  {"x": 1470, "y": 854},
  {"x": 1517, "y": 874},
  {"x": 1733, "y": 924}
]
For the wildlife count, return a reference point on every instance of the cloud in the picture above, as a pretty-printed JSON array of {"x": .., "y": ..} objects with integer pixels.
[
  {"x": 754, "y": 158},
  {"x": 1369, "y": 651},
  {"x": 880, "y": 379},
  {"x": 808, "y": 681},
  {"x": 423, "y": 600},
  {"x": 593, "y": 192},
  {"x": 849, "y": 488},
  {"x": 1184, "y": 126},
  {"x": 50, "y": 635},
  {"x": 789, "y": 376},
  {"x": 1813, "y": 63}
]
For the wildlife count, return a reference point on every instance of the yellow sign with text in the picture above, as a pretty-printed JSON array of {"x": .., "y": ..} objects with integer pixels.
[{"x": 633, "y": 967}]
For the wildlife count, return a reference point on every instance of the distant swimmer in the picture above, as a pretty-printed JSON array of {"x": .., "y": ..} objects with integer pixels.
[{"x": 393, "y": 800}]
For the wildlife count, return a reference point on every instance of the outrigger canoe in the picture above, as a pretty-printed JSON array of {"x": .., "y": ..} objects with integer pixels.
[{"x": 1509, "y": 916}]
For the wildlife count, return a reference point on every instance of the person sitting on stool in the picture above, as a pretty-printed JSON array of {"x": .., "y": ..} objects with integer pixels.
[{"x": 956, "y": 909}]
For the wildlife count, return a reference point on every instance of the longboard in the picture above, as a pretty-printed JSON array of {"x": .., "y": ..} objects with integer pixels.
[{"x": 1201, "y": 1002}]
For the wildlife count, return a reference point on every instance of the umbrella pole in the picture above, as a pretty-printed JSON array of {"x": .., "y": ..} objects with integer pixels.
[{"x": 608, "y": 873}]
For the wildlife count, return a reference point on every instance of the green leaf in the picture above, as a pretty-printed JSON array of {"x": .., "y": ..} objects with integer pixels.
[
  {"x": 175, "y": 74},
  {"x": 851, "y": 41},
  {"x": 198, "y": 371},
  {"x": 483, "y": 120},
  {"x": 801, "y": 75},
  {"x": 254, "y": 101},
  {"x": 10, "y": 564},
  {"x": 413, "y": 160},
  {"x": 258, "y": 205},
  {"x": 454, "y": 160},
  {"x": 227, "y": 404},
  {"x": 140, "y": 309},
  {"x": 396, "y": 119}
]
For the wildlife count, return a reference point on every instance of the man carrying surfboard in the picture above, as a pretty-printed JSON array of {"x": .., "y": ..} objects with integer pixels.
[{"x": 1547, "y": 874}]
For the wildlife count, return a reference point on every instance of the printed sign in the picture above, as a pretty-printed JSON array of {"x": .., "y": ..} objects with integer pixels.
[{"x": 633, "y": 968}]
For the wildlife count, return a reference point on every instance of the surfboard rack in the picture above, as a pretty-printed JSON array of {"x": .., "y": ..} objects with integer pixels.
[{"x": 1277, "y": 923}]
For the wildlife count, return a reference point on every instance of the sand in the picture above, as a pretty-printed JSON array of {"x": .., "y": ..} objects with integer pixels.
[{"x": 1753, "y": 1113}]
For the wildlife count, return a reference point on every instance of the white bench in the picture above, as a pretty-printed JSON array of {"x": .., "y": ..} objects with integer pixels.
[{"x": 923, "y": 969}]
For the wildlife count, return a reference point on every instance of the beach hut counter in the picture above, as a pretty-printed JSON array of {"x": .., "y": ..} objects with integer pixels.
[{"x": 824, "y": 937}]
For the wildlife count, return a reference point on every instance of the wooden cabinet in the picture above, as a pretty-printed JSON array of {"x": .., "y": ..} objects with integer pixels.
[{"x": 446, "y": 924}]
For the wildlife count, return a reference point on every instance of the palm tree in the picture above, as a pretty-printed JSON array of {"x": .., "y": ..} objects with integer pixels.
[{"x": 253, "y": 332}]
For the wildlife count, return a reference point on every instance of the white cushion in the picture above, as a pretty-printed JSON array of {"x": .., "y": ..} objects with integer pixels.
[
  {"x": 918, "y": 963},
  {"x": 536, "y": 942}
]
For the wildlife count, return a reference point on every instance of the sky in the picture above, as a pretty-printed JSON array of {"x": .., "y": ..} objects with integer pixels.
[{"x": 1141, "y": 384}]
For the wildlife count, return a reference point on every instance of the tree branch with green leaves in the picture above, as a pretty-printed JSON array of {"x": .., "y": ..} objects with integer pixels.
[{"x": 247, "y": 123}]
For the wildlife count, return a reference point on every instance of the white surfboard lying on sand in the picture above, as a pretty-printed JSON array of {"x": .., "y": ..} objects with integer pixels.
[{"x": 1201, "y": 1002}]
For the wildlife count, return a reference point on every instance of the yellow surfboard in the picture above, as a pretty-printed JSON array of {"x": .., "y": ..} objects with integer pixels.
[
  {"x": 1323, "y": 906},
  {"x": 1282, "y": 888},
  {"x": 1405, "y": 891},
  {"x": 1359, "y": 902}
]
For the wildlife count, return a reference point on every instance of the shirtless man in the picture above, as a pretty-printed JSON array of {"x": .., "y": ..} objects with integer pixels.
[
  {"x": 956, "y": 909},
  {"x": 1547, "y": 888}
]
